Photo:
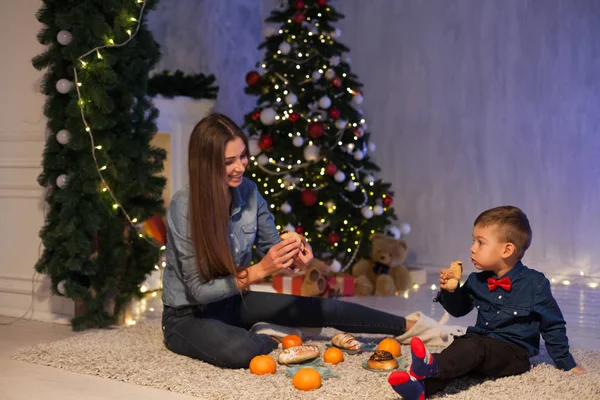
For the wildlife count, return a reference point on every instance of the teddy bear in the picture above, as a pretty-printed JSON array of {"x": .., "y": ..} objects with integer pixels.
[
  {"x": 316, "y": 280},
  {"x": 383, "y": 273}
]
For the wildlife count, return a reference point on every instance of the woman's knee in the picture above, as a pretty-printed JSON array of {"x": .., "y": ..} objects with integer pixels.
[{"x": 239, "y": 353}]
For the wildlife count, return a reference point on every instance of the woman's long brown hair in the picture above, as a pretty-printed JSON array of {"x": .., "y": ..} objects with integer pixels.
[{"x": 208, "y": 205}]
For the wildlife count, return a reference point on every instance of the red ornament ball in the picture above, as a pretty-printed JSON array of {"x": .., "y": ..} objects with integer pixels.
[
  {"x": 265, "y": 142},
  {"x": 322, "y": 3},
  {"x": 255, "y": 115},
  {"x": 334, "y": 113},
  {"x": 299, "y": 18},
  {"x": 333, "y": 238},
  {"x": 337, "y": 81},
  {"x": 387, "y": 201},
  {"x": 308, "y": 197},
  {"x": 252, "y": 78},
  {"x": 299, "y": 230},
  {"x": 331, "y": 169},
  {"x": 315, "y": 130},
  {"x": 299, "y": 4},
  {"x": 294, "y": 117}
]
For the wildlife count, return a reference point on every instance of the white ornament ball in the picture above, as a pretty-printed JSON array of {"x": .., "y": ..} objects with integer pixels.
[
  {"x": 336, "y": 33},
  {"x": 321, "y": 226},
  {"x": 311, "y": 152},
  {"x": 270, "y": 31},
  {"x": 339, "y": 176},
  {"x": 63, "y": 136},
  {"x": 262, "y": 159},
  {"x": 324, "y": 102},
  {"x": 291, "y": 99},
  {"x": 368, "y": 179},
  {"x": 64, "y": 37},
  {"x": 366, "y": 212},
  {"x": 61, "y": 181},
  {"x": 335, "y": 266},
  {"x": 349, "y": 148},
  {"x": 60, "y": 287},
  {"x": 329, "y": 74},
  {"x": 253, "y": 147},
  {"x": 392, "y": 231},
  {"x": 267, "y": 116},
  {"x": 285, "y": 48},
  {"x": 340, "y": 124},
  {"x": 298, "y": 141},
  {"x": 358, "y": 155},
  {"x": 351, "y": 186},
  {"x": 378, "y": 210},
  {"x": 316, "y": 76},
  {"x": 286, "y": 208},
  {"x": 290, "y": 228},
  {"x": 64, "y": 86},
  {"x": 334, "y": 61},
  {"x": 357, "y": 99},
  {"x": 372, "y": 147},
  {"x": 405, "y": 228}
]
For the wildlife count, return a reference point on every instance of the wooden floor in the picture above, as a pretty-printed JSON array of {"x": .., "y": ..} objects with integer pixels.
[{"x": 20, "y": 380}]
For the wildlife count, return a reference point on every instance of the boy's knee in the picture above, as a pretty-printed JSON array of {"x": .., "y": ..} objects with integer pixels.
[{"x": 239, "y": 355}]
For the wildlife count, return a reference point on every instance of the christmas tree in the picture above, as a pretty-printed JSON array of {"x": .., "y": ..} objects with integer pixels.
[
  {"x": 309, "y": 144},
  {"x": 99, "y": 169}
]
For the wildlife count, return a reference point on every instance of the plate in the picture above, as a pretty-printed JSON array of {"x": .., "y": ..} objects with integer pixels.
[
  {"x": 402, "y": 366},
  {"x": 364, "y": 347}
]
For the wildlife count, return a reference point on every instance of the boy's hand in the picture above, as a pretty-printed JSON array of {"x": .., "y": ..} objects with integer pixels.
[
  {"x": 444, "y": 279},
  {"x": 578, "y": 370}
]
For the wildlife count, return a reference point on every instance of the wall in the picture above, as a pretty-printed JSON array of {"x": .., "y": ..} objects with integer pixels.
[
  {"x": 211, "y": 37},
  {"x": 22, "y": 135},
  {"x": 475, "y": 104}
]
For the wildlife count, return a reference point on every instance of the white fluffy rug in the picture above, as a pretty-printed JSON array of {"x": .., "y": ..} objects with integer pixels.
[{"x": 137, "y": 355}]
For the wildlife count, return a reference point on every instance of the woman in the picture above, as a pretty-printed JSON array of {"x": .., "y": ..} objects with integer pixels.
[{"x": 212, "y": 225}]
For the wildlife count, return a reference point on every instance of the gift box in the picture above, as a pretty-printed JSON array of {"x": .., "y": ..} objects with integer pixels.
[
  {"x": 343, "y": 283},
  {"x": 288, "y": 284}
]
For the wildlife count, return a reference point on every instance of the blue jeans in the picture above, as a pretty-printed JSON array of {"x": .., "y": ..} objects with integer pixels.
[{"x": 217, "y": 333}]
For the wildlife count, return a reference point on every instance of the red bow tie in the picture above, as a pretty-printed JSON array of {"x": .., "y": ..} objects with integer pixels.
[{"x": 504, "y": 283}]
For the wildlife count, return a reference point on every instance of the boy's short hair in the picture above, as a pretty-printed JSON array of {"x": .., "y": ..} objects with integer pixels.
[{"x": 513, "y": 226}]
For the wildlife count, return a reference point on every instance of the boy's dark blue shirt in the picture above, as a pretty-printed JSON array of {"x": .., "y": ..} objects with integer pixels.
[{"x": 518, "y": 316}]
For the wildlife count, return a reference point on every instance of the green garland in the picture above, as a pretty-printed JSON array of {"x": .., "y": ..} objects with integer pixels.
[{"x": 169, "y": 85}]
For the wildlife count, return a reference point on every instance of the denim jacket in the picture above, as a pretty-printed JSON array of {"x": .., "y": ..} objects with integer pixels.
[
  {"x": 250, "y": 223},
  {"x": 518, "y": 316}
]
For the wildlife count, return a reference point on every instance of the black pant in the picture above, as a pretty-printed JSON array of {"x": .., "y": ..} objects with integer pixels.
[
  {"x": 477, "y": 356},
  {"x": 218, "y": 332}
]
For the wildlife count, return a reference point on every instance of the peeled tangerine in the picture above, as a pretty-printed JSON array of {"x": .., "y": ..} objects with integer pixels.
[{"x": 454, "y": 274}]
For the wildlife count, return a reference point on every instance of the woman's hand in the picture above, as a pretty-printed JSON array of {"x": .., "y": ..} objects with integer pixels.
[
  {"x": 303, "y": 259},
  {"x": 280, "y": 256}
]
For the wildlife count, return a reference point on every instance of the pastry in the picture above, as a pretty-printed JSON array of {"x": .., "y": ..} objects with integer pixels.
[
  {"x": 453, "y": 274},
  {"x": 346, "y": 341},
  {"x": 284, "y": 235},
  {"x": 298, "y": 354},
  {"x": 383, "y": 360}
]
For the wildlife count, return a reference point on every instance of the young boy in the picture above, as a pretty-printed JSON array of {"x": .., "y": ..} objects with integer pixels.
[{"x": 514, "y": 306}]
